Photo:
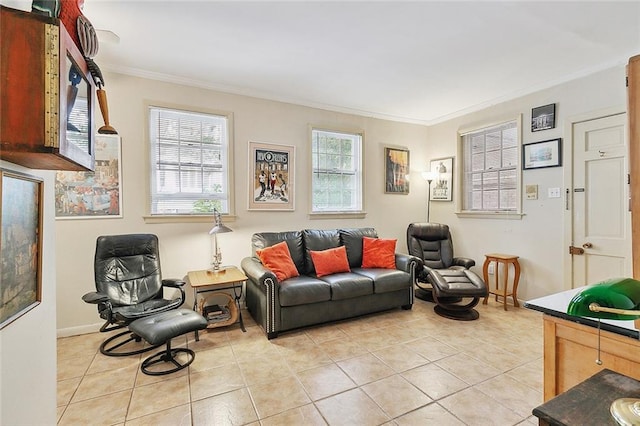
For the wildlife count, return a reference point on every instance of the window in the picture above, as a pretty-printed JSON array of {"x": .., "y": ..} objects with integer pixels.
[
  {"x": 189, "y": 162},
  {"x": 491, "y": 180},
  {"x": 336, "y": 184}
]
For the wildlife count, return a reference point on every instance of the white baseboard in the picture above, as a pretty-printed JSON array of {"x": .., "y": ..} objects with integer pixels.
[{"x": 75, "y": 331}]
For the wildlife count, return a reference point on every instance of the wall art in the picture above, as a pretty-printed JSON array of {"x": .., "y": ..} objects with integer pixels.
[
  {"x": 442, "y": 185},
  {"x": 396, "y": 170},
  {"x": 271, "y": 176},
  {"x": 93, "y": 195},
  {"x": 20, "y": 244}
]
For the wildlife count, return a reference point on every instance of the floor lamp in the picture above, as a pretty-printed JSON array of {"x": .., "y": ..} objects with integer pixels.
[{"x": 429, "y": 177}]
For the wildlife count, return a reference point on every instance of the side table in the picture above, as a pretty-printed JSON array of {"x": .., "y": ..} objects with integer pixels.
[
  {"x": 206, "y": 280},
  {"x": 506, "y": 260}
]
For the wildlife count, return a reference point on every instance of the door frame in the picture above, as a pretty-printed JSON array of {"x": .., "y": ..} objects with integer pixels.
[{"x": 567, "y": 155}]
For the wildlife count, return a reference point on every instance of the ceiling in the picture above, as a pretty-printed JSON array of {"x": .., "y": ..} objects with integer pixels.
[{"x": 420, "y": 61}]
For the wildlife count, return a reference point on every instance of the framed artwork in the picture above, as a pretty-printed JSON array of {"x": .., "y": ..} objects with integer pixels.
[
  {"x": 442, "y": 186},
  {"x": 543, "y": 117},
  {"x": 396, "y": 170},
  {"x": 271, "y": 176},
  {"x": 542, "y": 154},
  {"x": 93, "y": 195},
  {"x": 20, "y": 244}
]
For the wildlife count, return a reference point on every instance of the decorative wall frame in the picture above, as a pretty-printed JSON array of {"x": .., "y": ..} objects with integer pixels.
[
  {"x": 271, "y": 177},
  {"x": 542, "y": 154},
  {"x": 442, "y": 186},
  {"x": 543, "y": 117},
  {"x": 93, "y": 195},
  {"x": 20, "y": 244},
  {"x": 396, "y": 170}
]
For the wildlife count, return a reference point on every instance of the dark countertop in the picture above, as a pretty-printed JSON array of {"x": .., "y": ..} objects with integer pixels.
[
  {"x": 556, "y": 306},
  {"x": 588, "y": 402}
]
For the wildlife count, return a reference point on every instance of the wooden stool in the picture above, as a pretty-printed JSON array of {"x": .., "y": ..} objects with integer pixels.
[{"x": 505, "y": 259}]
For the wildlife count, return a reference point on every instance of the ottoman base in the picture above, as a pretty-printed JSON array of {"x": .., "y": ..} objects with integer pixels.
[{"x": 168, "y": 355}]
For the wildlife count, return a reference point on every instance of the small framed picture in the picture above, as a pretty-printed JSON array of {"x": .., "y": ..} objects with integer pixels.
[
  {"x": 396, "y": 168},
  {"x": 542, "y": 154},
  {"x": 543, "y": 117},
  {"x": 442, "y": 186}
]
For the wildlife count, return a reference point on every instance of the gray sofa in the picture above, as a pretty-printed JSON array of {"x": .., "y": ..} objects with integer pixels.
[{"x": 307, "y": 300}]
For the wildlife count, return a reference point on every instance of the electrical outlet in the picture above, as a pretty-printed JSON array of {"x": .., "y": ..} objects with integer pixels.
[{"x": 492, "y": 268}]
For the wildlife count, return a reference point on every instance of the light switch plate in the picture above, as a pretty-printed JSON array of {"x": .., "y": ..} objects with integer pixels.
[{"x": 554, "y": 192}]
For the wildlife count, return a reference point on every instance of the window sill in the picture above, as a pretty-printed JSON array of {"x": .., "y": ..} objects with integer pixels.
[
  {"x": 491, "y": 215},
  {"x": 338, "y": 215},
  {"x": 187, "y": 218}
]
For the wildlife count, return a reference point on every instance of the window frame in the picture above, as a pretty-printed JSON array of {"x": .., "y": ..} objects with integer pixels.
[
  {"x": 338, "y": 214},
  {"x": 229, "y": 176},
  {"x": 461, "y": 191}
]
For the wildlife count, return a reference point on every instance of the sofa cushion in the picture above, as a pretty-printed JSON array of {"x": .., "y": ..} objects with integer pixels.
[
  {"x": 348, "y": 285},
  {"x": 330, "y": 261},
  {"x": 294, "y": 242},
  {"x": 386, "y": 280},
  {"x": 378, "y": 253},
  {"x": 277, "y": 259},
  {"x": 351, "y": 238},
  {"x": 318, "y": 240},
  {"x": 303, "y": 290}
]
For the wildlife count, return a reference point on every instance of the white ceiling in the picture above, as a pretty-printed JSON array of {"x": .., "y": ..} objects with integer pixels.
[{"x": 421, "y": 61}]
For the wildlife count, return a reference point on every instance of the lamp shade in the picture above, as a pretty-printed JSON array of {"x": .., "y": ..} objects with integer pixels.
[
  {"x": 617, "y": 294},
  {"x": 220, "y": 229}
]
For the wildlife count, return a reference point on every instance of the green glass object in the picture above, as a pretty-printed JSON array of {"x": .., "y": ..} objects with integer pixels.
[{"x": 619, "y": 293}]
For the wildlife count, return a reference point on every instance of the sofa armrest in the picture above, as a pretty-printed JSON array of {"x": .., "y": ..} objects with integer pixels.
[
  {"x": 256, "y": 272},
  {"x": 464, "y": 262},
  {"x": 262, "y": 295},
  {"x": 408, "y": 263}
]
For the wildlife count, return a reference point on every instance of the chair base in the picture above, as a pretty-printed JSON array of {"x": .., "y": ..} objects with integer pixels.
[
  {"x": 168, "y": 356},
  {"x": 468, "y": 315},
  {"x": 107, "y": 350}
]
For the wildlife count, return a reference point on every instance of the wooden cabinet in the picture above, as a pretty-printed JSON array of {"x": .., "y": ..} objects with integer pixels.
[
  {"x": 571, "y": 350},
  {"x": 47, "y": 95}
]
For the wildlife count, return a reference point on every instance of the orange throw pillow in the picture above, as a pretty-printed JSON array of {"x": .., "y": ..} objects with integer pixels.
[
  {"x": 277, "y": 258},
  {"x": 378, "y": 253},
  {"x": 331, "y": 261}
]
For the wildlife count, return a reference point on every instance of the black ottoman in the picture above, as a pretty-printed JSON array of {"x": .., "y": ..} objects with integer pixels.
[
  {"x": 161, "y": 328},
  {"x": 457, "y": 284}
]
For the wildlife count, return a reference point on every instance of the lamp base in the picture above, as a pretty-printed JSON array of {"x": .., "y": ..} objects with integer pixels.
[
  {"x": 626, "y": 411},
  {"x": 219, "y": 270}
]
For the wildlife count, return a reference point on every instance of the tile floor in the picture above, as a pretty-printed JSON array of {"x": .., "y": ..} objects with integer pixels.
[{"x": 393, "y": 368}]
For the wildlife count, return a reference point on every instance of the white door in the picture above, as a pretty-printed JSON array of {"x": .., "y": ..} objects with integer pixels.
[{"x": 601, "y": 216}]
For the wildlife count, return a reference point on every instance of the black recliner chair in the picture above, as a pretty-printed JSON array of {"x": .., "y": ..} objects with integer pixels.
[
  {"x": 128, "y": 287},
  {"x": 444, "y": 279}
]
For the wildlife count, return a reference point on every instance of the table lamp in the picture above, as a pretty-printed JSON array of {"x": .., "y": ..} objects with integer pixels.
[
  {"x": 218, "y": 228},
  {"x": 617, "y": 299}
]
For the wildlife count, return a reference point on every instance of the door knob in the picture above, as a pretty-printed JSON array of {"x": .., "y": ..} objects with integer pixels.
[{"x": 587, "y": 245}]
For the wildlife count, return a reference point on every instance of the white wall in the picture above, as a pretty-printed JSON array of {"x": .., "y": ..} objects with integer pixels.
[
  {"x": 28, "y": 344},
  {"x": 538, "y": 237},
  {"x": 187, "y": 246}
]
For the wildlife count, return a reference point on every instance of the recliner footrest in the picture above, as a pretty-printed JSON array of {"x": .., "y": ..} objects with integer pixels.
[
  {"x": 457, "y": 283},
  {"x": 161, "y": 328}
]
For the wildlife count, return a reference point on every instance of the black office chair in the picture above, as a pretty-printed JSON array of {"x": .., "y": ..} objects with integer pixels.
[
  {"x": 444, "y": 279},
  {"x": 129, "y": 286}
]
